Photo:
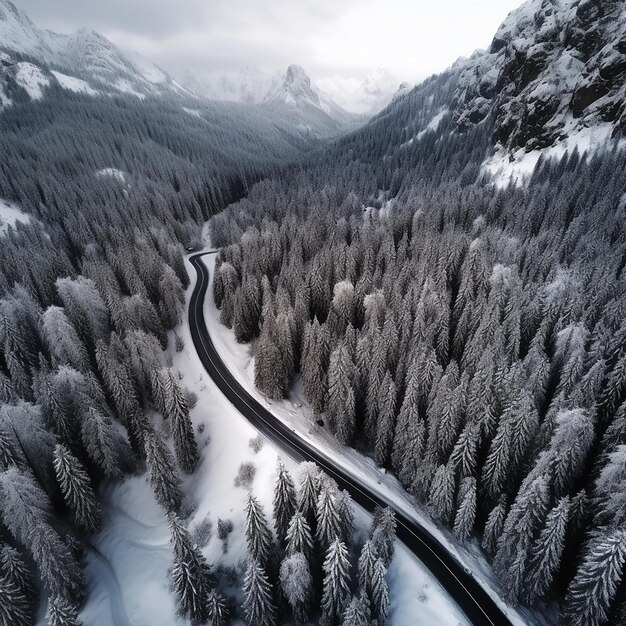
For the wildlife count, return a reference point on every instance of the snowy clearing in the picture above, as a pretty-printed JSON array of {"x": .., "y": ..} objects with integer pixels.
[
  {"x": 31, "y": 79},
  {"x": 9, "y": 215},
  {"x": 71, "y": 83}
]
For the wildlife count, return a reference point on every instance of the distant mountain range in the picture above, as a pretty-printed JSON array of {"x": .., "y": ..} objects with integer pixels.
[{"x": 34, "y": 60}]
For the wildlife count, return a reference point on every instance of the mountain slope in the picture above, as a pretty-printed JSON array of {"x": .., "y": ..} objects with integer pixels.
[
  {"x": 554, "y": 67},
  {"x": 85, "y": 55}
]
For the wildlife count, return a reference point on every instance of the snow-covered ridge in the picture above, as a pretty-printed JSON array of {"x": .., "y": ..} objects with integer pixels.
[
  {"x": 554, "y": 67},
  {"x": 85, "y": 54}
]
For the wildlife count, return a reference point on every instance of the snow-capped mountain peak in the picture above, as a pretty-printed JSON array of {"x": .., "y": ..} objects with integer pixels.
[{"x": 295, "y": 89}]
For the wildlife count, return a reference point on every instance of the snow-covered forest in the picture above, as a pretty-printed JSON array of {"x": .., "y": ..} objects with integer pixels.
[{"x": 445, "y": 283}]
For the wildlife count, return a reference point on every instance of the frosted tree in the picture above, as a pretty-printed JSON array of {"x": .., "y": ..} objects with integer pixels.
[
  {"x": 285, "y": 502},
  {"x": 177, "y": 411},
  {"x": 296, "y": 584},
  {"x": 308, "y": 494},
  {"x": 494, "y": 526},
  {"x": 357, "y": 612},
  {"x": 314, "y": 365},
  {"x": 258, "y": 604},
  {"x": 345, "y": 512},
  {"x": 441, "y": 497},
  {"x": 336, "y": 591},
  {"x": 341, "y": 403},
  {"x": 466, "y": 511},
  {"x": 76, "y": 488},
  {"x": 329, "y": 526},
  {"x": 14, "y": 606},
  {"x": 597, "y": 579},
  {"x": 258, "y": 534},
  {"x": 217, "y": 610},
  {"x": 14, "y": 570},
  {"x": 104, "y": 444},
  {"x": 7, "y": 455},
  {"x": 270, "y": 373},
  {"x": 299, "y": 537},
  {"x": 190, "y": 572},
  {"x": 384, "y": 533},
  {"x": 63, "y": 342},
  {"x": 164, "y": 480},
  {"x": 547, "y": 551},
  {"x": 365, "y": 567},
  {"x": 386, "y": 419},
  {"x": 379, "y": 593},
  {"x": 610, "y": 487},
  {"x": 62, "y": 612}
]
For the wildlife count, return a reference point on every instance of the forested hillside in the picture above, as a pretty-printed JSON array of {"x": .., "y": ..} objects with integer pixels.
[{"x": 470, "y": 338}]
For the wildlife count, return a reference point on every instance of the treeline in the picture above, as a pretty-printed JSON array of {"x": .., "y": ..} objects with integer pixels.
[
  {"x": 304, "y": 569},
  {"x": 472, "y": 339}
]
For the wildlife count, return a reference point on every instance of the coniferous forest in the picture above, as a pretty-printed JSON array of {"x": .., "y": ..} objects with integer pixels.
[{"x": 466, "y": 333}]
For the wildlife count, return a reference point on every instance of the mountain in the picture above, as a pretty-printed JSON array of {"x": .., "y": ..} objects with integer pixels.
[
  {"x": 290, "y": 92},
  {"x": 554, "y": 68},
  {"x": 35, "y": 59}
]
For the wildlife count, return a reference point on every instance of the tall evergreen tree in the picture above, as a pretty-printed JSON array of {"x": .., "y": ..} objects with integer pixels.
[
  {"x": 258, "y": 534},
  {"x": 258, "y": 605},
  {"x": 336, "y": 593},
  {"x": 285, "y": 502}
]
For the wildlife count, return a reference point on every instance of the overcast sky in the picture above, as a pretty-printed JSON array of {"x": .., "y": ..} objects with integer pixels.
[{"x": 348, "y": 38}]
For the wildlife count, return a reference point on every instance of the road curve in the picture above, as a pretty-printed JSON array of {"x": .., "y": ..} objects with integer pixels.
[{"x": 471, "y": 597}]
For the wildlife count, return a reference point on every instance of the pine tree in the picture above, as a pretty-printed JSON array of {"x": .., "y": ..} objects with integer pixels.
[
  {"x": 494, "y": 526},
  {"x": 165, "y": 483},
  {"x": 379, "y": 593},
  {"x": 309, "y": 492},
  {"x": 190, "y": 572},
  {"x": 466, "y": 511},
  {"x": 299, "y": 537},
  {"x": 61, "y": 612},
  {"x": 386, "y": 403},
  {"x": 442, "y": 489},
  {"x": 258, "y": 534},
  {"x": 15, "y": 608},
  {"x": 217, "y": 610},
  {"x": 15, "y": 570},
  {"x": 297, "y": 585},
  {"x": 76, "y": 489},
  {"x": 383, "y": 533},
  {"x": 357, "y": 612},
  {"x": 597, "y": 579},
  {"x": 177, "y": 411},
  {"x": 285, "y": 502},
  {"x": 104, "y": 444},
  {"x": 547, "y": 551},
  {"x": 365, "y": 567},
  {"x": 328, "y": 522},
  {"x": 7, "y": 455},
  {"x": 341, "y": 404},
  {"x": 336, "y": 592},
  {"x": 258, "y": 605}
]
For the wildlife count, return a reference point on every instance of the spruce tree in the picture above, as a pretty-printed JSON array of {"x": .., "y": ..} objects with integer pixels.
[
  {"x": 336, "y": 592},
  {"x": 466, "y": 511},
  {"x": 597, "y": 579},
  {"x": 379, "y": 593},
  {"x": 329, "y": 526},
  {"x": 494, "y": 526},
  {"x": 15, "y": 608},
  {"x": 190, "y": 572},
  {"x": 258, "y": 604},
  {"x": 217, "y": 610},
  {"x": 177, "y": 411},
  {"x": 258, "y": 535},
  {"x": 164, "y": 480},
  {"x": 358, "y": 612},
  {"x": 365, "y": 567},
  {"x": 299, "y": 537},
  {"x": 285, "y": 502},
  {"x": 308, "y": 494},
  {"x": 61, "y": 612},
  {"x": 76, "y": 489},
  {"x": 383, "y": 533}
]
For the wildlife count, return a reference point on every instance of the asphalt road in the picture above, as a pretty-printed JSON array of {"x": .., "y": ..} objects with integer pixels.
[{"x": 478, "y": 606}]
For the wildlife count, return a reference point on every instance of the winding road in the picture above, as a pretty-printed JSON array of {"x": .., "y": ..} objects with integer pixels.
[{"x": 479, "y": 608}]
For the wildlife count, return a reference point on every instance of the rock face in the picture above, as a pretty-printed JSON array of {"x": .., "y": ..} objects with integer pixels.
[{"x": 554, "y": 67}]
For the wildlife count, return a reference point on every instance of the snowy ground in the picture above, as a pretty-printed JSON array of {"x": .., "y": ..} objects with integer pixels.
[
  {"x": 9, "y": 215},
  {"x": 517, "y": 168},
  {"x": 127, "y": 567},
  {"x": 296, "y": 412}
]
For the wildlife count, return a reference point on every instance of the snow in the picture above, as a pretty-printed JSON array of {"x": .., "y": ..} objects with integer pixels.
[
  {"x": 111, "y": 172},
  {"x": 31, "y": 79},
  {"x": 10, "y": 214},
  {"x": 519, "y": 166},
  {"x": 431, "y": 127},
  {"x": 125, "y": 86},
  {"x": 71, "y": 83},
  {"x": 296, "y": 413},
  {"x": 193, "y": 112}
]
